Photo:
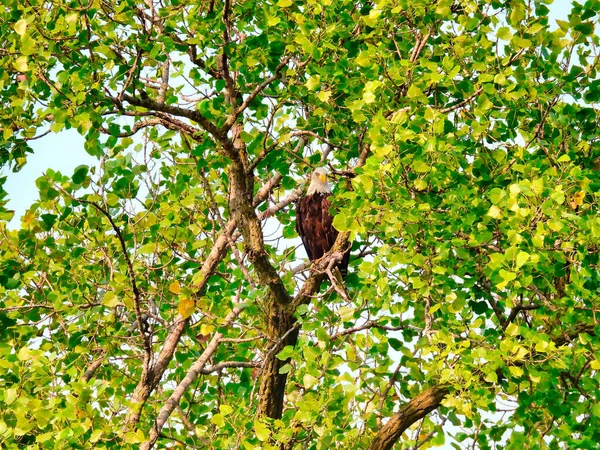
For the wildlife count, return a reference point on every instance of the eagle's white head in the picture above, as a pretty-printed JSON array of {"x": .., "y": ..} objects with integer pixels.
[{"x": 318, "y": 182}]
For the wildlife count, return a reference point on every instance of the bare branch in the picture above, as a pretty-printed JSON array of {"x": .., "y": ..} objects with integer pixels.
[
  {"x": 164, "y": 84},
  {"x": 257, "y": 90},
  {"x": 133, "y": 69},
  {"x": 366, "y": 326},
  {"x": 517, "y": 309},
  {"x": 93, "y": 366},
  {"x": 316, "y": 136},
  {"x": 462, "y": 103},
  {"x": 189, "y": 378},
  {"x": 419, "y": 46},
  {"x": 137, "y": 296},
  {"x": 229, "y": 365},
  {"x": 176, "y": 111}
]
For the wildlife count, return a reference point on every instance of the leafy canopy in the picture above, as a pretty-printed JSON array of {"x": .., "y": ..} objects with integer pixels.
[{"x": 463, "y": 140}]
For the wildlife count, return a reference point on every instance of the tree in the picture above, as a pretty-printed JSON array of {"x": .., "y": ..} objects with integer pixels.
[{"x": 158, "y": 298}]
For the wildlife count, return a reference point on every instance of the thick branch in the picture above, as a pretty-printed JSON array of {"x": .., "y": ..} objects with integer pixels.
[
  {"x": 175, "y": 111},
  {"x": 241, "y": 187},
  {"x": 409, "y": 413}
]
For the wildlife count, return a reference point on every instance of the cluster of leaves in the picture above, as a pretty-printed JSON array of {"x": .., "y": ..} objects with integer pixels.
[{"x": 463, "y": 138}]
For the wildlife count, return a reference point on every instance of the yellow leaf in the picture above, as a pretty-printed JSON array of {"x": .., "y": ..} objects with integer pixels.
[
  {"x": 491, "y": 377},
  {"x": 225, "y": 409},
  {"x": 71, "y": 18},
  {"x": 313, "y": 82},
  {"x": 272, "y": 20},
  {"x": 110, "y": 299},
  {"x": 206, "y": 329},
  {"x": 262, "y": 431},
  {"x": 512, "y": 329},
  {"x": 20, "y": 27},
  {"x": 186, "y": 307},
  {"x": 284, "y": 3},
  {"x": 364, "y": 59},
  {"x": 577, "y": 199},
  {"x": 324, "y": 96},
  {"x": 414, "y": 91},
  {"x": 495, "y": 212},
  {"x": 515, "y": 371},
  {"x": 21, "y": 64},
  {"x": 368, "y": 97},
  {"x": 28, "y": 218},
  {"x": 174, "y": 287}
]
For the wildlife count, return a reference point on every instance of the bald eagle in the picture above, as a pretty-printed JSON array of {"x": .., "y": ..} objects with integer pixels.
[{"x": 314, "y": 222}]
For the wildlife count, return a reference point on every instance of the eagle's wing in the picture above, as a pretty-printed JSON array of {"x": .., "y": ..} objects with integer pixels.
[
  {"x": 303, "y": 224},
  {"x": 328, "y": 233},
  {"x": 315, "y": 225}
]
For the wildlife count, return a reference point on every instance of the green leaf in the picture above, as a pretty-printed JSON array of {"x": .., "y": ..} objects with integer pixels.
[
  {"x": 340, "y": 222},
  {"x": 286, "y": 353},
  {"x": 585, "y": 28},
  {"x": 395, "y": 344},
  {"x": 285, "y": 369},
  {"x": 49, "y": 220},
  {"x": 80, "y": 174}
]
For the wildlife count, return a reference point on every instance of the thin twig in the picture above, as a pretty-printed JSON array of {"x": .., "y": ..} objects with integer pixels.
[
  {"x": 137, "y": 296},
  {"x": 366, "y": 326}
]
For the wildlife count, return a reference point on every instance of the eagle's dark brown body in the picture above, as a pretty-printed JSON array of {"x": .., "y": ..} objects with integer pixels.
[{"x": 315, "y": 226}]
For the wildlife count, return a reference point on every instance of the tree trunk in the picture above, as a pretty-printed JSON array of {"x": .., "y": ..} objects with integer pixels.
[{"x": 280, "y": 328}]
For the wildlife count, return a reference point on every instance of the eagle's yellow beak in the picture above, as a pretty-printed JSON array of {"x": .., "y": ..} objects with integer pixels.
[{"x": 323, "y": 177}]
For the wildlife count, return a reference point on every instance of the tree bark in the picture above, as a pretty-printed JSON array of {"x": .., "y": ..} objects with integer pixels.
[{"x": 271, "y": 393}]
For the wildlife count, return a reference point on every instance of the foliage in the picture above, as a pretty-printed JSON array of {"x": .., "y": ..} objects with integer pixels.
[{"x": 463, "y": 140}]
